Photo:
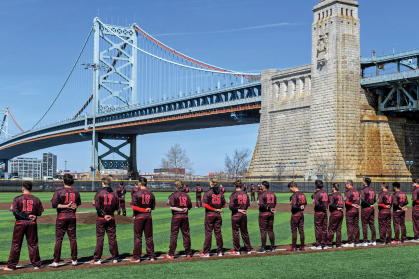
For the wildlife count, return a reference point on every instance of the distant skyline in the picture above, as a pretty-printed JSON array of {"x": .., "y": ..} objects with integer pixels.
[{"x": 41, "y": 39}]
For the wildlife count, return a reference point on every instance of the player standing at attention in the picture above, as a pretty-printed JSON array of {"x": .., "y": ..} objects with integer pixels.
[
  {"x": 66, "y": 201},
  {"x": 384, "y": 215},
  {"x": 321, "y": 202},
  {"x": 267, "y": 203},
  {"x": 222, "y": 189},
  {"x": 106, "y": 203},
  {"x": 368, "y": 198},
  {"x": 336, "y": 217},
  {"x": 352, "y": 214},
  {"x": 185, "y": 188},
  {"x": 259, "y": 189},
  {"x": 238, "y": 204},
  {"x": 399, "y": 213},
  {"x": 179, "y": 203},
  {"x": 25, "y": 208},
  {"x": 245, "y": 188},
  {"x": 415, "y": 210},
  {"x": 198, "y": 190},
  {"x": 121, "y": 191},
  {"x": 133, "y": 191},
  {"x": 298, "y": 203},
  {"x": 213, "y": 202},
  {"x": 143, "y": 203},
  {"x": 252, "y": 193}
]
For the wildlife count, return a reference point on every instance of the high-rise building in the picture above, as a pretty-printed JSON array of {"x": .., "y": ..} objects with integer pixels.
[
  {"x": 49, "y": 165},
  {"x": 26, "y": 168}
]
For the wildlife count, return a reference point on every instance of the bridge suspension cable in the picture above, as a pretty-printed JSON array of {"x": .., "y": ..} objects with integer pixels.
[{"x": 11, "y": 115}]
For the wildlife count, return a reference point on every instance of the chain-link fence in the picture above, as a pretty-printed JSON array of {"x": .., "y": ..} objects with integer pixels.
[{"x": 169, "y": 186}]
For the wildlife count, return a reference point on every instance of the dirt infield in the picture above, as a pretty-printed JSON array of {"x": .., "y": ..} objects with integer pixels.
[
  {"x": 280, "y": 207},
  {"x": 83, "y": 262}
]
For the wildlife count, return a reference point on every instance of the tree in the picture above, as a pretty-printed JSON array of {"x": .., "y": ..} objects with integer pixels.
[
  {"x": 238, "y": 163},
  {"x": 176, "y": 159}
]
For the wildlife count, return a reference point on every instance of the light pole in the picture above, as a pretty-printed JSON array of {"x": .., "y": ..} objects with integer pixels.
[
  {"x": 65, "y": 168},
  {"x": 280, "y": 169},
  {"x": 293, "y": 164},
  {"x": 409, "y": 163},
  {"x": 95, "y": 67}
]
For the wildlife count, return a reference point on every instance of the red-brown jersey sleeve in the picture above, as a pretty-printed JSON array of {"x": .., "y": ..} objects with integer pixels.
[
  {"x": 16, "y": 205},
  {"x": 152, "y": 201}
]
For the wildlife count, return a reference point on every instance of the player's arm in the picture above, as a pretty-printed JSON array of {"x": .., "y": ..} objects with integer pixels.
[{"x": 231, "y": 206}]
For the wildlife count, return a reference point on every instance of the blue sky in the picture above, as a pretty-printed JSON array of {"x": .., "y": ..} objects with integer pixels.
[{"x": 41, "y": 39}]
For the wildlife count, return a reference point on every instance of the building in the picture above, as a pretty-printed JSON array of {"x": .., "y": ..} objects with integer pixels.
[
  {"x": 174, "y": 170},
  {"x": 49, "y": 165},
  {"x": 26, "y": 168}
]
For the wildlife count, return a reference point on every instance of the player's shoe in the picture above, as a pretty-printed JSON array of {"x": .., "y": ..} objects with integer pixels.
[
  {"x": 38, "y": 267},
  {"x": 249, "y": 252},
  {"x": 188, "y": 256},
  {"x": 54, "y": 264},
  {"x": 235, "y": 253},
  {"x": 261, "y": 250},
  {"x": 272, "y": 249},
  {"x": 134, "y": 260},
  {"x": 204, "y": 255},
  {"x": 115, "y": 261},
  {"x": 316, "y": 247},
  {"x": 291, "y": 249},
  {"x": 220, "y": 254},
  {"x": 395, "y": 242},
  {"x": 95, "y": 262},
  {"x": 414, "y": 240},
  {"x": 302, "y": 249},
  {"x": 152, "y": 259},
  {"x": 74, "y": 262},
  {"x": 381, "y": 243},
  {"x": 365, "y": 244},
  {"x": 168, "y": 257},
  {"x": 327, "y": 247},
  {"x": 7, "y": 269},
  {"x": 373, "y": 243},
  {"x": 348, "y": 245},
  {"x": 358, "y": 245}
]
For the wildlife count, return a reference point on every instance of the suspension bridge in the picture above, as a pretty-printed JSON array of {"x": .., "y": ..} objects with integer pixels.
[{"x": 126, "y": 83}]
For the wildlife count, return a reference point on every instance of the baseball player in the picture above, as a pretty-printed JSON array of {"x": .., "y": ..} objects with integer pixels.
[
  {"x": 298, "y": 203},
  {"x": 133, "y": 190},
  {"x": 399, "y": 212},
  {"x": 245, "y": 188},
  {"x": 252, "y": 193},
  {"x": 222, "y": 189},
  {"x": 267, "y": 203},
  {"x": 66, "y": 201},
  {"x": 213, "y": 202},
  {"x": 106, "y": 203},
  {"x": 26, "y": 208},
  {"x": 415, "y": 210},
  {"x": 352, "y": 214},
  {"x": 368, "y": 198},
  {"x": 120, "y": 192},
  {"x": 179, "y": 203},
  {"x": 259, "y": 189},
  {"x": 238, "y": 204},
  {"x": 384, "y": 215},
  {"x": 198, "y": 190},
  {"x": 143, "y": 202},
  {"x": 185, "y": 188},
  {"x": 321, "y": 202},
  {"x": 336, "y": 217}
]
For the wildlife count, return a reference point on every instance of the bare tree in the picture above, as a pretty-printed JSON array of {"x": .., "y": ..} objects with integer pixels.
[
  {"x": 176, "y": 159},
  {"x": 328, "y": 168},
  {"x": 238, "y": 163}
]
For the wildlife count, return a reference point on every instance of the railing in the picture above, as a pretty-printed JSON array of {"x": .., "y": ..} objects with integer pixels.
[
  {"x": 388, "y": 57},
  {"x": 390, "y": 77}
]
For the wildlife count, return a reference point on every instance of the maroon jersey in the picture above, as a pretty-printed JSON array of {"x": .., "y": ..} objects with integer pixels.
[
  {"x": 239, "y": 200},
  {"x": 198, "y": 190},
  {"x": 214, "y": 198},
  {"x": 133, "y": 190},
  {"x": 65, "y": 196},
  {"x": 367, "y": 194},
  {"x": 144, "y": 199},
  {"x": 120, "y": 192},
  {"x": 245, "y": 188},
  {"x": 415, "y": 196},
  {"x": 321, "y": 198},
  {"x": 107, "y": 200},
  {"x": 179, "y": 199},
  {"x": 399, "y": 200},
  {"x": 335, "y": 199},
  {"x": 267, "y": 198},
  {"x": 297, "y": 200},
  {"x": 252, "y": 189},
  {"x": 384, "y": 198},
  {"x": 222, "y": 190},
  {"x": 259, "y": 189},
  {"x": 27, "y": 204},
  {"x": 186, "y": 189},
  {"x": 351, "y": 196}
]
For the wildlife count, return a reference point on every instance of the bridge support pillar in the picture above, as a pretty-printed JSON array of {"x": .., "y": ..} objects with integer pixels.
[{"x": 6, "y": 163}]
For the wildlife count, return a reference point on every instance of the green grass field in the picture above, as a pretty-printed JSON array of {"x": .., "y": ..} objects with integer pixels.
[{"x": 249, "y": 268}]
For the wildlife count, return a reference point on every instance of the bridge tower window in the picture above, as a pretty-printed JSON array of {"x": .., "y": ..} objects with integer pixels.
[
  {"x": 319, "y": 16},
  {"x": 341, "y": 10},
  {"x": 351, "y": 13},
  {"x": 346, "y": 12},
  {"x": 330, "y": 12},
  {"x": 322, "y": 14},
  {"x": 327, "y": 13}
]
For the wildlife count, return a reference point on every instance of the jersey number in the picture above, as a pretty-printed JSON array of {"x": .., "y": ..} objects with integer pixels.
[
  {"x": 372, "y": 195},
  {"x": 107, "y": 199},
  {"x": 301, "y": 199},
  {"x": 402, "y": 198},
  {"x": 72, "y": 198},
  {"x": 324, "y": 196},
  {"x": 356, "y": 196},
  {"x": 270, "y": 198},
  {"x": 216, "y": 199},
  {"x": 182, "y": 201},
  {"x": 146, "y": 199},
  {"x": 242, "y": 199},
  {"x": 340, "y": 199},
  {"x": 27, "y": 205}
]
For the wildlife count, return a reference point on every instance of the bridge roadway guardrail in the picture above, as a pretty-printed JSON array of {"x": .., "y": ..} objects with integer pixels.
[
  {"x": 386, "y": 78},
  {"x": 403, "y": 55},
  {"x": 169, "y": 186}
]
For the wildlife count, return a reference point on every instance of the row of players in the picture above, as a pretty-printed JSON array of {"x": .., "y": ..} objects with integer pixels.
[{"x": 26, "y": 208}]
